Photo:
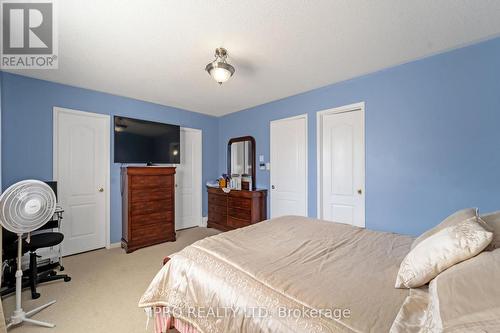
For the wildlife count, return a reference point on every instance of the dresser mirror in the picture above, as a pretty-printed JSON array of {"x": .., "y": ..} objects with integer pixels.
[{"x": 241, "y": 157}]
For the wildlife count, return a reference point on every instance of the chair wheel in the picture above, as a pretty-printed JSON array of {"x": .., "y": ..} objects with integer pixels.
[
  {"x": 61, "y": 268},
  {"x": 35, "y": 295},
  {"x": 67, "y": 279}
]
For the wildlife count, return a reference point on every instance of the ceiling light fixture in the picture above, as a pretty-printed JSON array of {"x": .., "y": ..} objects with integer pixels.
[{"x": 219, "y": 69}]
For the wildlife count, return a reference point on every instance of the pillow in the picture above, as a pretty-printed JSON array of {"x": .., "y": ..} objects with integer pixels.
[
  {"x": 493, "y": 221},
  {"x": 442, "y": 250},
  {"x": 453, "y": 219},
  {"x": 466, "y": 297}
]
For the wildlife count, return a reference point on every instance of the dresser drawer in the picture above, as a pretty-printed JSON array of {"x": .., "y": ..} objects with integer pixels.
[
  {"x": 242, "y": 214},
  {"x": 217, "y": 218},
  {"x": 217, "y": 214},
  {"x": 217, "y": 209},
  {"x": 241, "y": 203},
  {"x": 216, "y": 199},
  {"x": 138, "y": 182},
  {"x": 159, "y": 218},
  {"x": 152, "y": 206},
  {"x": 147, "y": 194},
  {"x": 237, "y": 223},
  {"x": 152, "y": 233}
]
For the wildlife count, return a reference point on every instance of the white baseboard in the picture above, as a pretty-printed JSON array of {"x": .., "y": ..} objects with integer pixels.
[
  {"x": 114, "y": 245},
  {"x": 204, "y": 221}
]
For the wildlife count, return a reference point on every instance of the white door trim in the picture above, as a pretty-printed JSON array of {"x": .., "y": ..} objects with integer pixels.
[
  {"x": 319, "y": 153},
  {"x": 55, "y": 172},
  {"x": 199, "y": 188},
  {"x": 302, "y": 116}
]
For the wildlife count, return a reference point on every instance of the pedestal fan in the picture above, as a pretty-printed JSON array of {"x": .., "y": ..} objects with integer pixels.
[{"x": 25, "y": 207}]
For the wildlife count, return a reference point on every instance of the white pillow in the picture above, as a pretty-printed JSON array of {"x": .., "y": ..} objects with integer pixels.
[
  {"x": 442, "y": 250},
  {"x": 453, "y": 219}
]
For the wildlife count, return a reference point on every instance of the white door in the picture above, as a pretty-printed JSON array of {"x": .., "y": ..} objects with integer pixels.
[
  {"x": 342, "y": 165},
  {"x": 188, "y": 181},
  {"x": 81, "y": 168},
  {"x": 289, "y": 166}
]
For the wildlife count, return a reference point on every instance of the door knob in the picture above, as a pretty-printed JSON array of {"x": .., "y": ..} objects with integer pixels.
[
  {"x": 360, "y": 191},
  {"x": 100, "y": 189}
]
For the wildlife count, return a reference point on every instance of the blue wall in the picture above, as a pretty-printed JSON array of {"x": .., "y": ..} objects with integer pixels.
[
  {"x": 432, "y": 136},
  {"x": 27, "y": 130}
]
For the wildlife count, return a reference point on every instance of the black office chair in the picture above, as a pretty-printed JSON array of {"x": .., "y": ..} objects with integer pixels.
[
  {"x": 35, "y": 274},
  {"x": 39, "y": 241}
]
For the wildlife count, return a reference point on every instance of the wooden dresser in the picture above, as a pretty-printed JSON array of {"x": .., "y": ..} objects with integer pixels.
[
  {"x": 148, "y": 203},
  {"x": 236, "y": 209}
]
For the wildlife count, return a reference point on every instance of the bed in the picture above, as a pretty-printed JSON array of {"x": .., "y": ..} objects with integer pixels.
[{"x": 289, "y": 274}]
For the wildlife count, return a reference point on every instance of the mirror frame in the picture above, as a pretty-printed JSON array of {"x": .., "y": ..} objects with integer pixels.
[{"x": 252, "y": 161}]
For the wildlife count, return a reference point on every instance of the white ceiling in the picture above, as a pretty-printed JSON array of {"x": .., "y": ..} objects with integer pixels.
[{"x": 156, "y": 50}]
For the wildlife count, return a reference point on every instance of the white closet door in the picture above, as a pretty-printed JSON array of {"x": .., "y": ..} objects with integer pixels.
[
  {"x": 342, "y": 158},
  {"x": 289, "y": 166},
  {"x": 81, "y": 160},
  {"x": 188, "y": 180}
]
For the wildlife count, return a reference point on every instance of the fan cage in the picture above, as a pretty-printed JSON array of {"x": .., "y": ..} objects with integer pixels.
[{"x": 26, "y": 206}]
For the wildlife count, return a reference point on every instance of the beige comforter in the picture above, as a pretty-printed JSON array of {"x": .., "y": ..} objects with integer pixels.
[{"x": 290, "y": 274}]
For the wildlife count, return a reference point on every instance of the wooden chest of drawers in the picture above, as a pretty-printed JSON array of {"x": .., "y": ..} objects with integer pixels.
[
  {"x": 236, "y": 209},
  {"x": 148, "y": 202}
]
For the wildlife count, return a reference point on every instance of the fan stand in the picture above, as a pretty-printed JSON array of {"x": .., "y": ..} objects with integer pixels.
[{"x": 19, "y": 315}]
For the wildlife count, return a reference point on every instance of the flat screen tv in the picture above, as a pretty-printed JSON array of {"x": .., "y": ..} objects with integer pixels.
[{"x": 141, "y": 141}]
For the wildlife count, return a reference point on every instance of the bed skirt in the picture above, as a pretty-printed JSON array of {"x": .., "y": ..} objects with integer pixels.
[{"x": 163, "y": 322}]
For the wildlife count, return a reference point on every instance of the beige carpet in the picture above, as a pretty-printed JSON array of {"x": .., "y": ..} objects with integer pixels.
[{"x": 105, "y": 288}]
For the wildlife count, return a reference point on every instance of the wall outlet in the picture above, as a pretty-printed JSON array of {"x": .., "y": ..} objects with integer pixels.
[{"x": 261, "y": 158}]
